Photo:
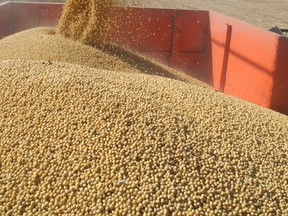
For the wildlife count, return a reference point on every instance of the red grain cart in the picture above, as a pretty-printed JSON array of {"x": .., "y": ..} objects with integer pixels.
[{"x": 232, "y": 56}]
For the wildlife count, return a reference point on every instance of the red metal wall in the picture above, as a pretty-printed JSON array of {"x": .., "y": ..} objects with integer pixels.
[
  {"x": 279, "y": 100},
  {"x": 178, "y": 38},
  {"x": 15, "y": 17},
  {"x": 256, "y": 65},
  {"x": 6, "y": 27}
]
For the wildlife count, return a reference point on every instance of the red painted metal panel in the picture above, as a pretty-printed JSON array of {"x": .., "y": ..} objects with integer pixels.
[
  {"x": 181, "y": 33},
  {"x": 246, "y": 92},
  {"x": 175, "y": 43},
  {"x": 29, "y": 15},
  {"x": 5, "y": 20},
  {"x": 218, "y": 30},
  {"x": 251, "y": 67},
  {"x": 46, "y": 17},
  {"x": 23, "y": 16},
  {"x": 225, "y": 57},
  {"x": 279, "y": 99},
  {"x": 189, "y": 46},
  {"x": 193, "y": 30},
  {"x": 257, "y": 67},
  {"x": 142, "y": 29},
  {"x": 195, "y": 64},
  {"x": 253, "y": 61}
]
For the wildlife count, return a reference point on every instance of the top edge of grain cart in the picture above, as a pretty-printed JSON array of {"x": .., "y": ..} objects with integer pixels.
[{"x": 234, "y": 57}]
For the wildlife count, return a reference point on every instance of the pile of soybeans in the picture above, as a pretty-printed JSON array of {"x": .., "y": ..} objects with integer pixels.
[
  {"x": 93, "y": 139},
  {"x": 46, "y": 45}
]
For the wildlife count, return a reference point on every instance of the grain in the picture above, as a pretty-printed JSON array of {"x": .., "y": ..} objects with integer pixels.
[
  {"x": 85, "y": 21},
  {"x": 87, "y": 138},
  {"x": 80, "y": 140},
  {"x": 44, "y": 44}
]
